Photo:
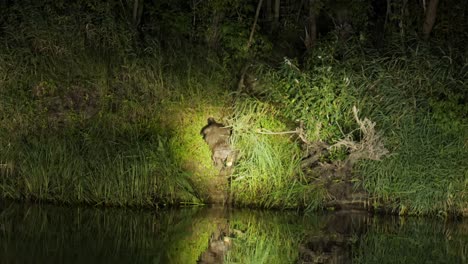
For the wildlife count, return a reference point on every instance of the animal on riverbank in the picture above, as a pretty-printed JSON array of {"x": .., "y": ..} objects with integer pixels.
[{"x": 216, "y": 135}]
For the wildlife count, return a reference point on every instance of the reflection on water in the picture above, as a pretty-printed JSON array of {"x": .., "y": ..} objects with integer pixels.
[
  {"x": 334, "y": 241},
  {"x": 51, "y": 234}
]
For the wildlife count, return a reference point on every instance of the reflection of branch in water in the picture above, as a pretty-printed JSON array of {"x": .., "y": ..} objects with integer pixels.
[{"x": 334, "y": 242}]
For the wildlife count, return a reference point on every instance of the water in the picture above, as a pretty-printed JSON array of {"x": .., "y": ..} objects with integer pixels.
[{"x": 52, "y": 234}]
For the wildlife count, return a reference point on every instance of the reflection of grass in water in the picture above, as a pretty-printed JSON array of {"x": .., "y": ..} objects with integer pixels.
[
  {"x": 49, "y": 234},
  {"x": 263, "y": 248},
  {"x": 267, "y": 237},
  {"x": 416, "y": 241}
]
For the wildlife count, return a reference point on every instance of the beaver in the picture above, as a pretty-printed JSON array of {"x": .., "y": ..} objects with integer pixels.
[{"x": 216, "y": 135}]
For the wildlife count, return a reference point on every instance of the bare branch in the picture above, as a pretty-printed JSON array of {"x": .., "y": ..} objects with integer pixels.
[{"x": 254, "y": 24}]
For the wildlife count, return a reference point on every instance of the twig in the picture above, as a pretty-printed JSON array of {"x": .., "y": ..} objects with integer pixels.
[
  {"x": 266, "y": 132},
  {"x": 299, "y": 131}
]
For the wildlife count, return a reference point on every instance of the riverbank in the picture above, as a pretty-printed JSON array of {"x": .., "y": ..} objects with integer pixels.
[{"x": 97, "y": 115}]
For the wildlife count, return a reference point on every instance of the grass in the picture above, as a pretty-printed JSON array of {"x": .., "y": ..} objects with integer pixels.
[
  {"x": 95, "y": 115},
  {"x": 427, "y": 173},
  {"x": 86, "y": 117},
  {"x": 424, "y": 125},
  {"x": 131, "y": 142},
  {"x": 416, "y": 100},
  {"x": 267, "y": 174},
  {"x": 83, "y": 168}
]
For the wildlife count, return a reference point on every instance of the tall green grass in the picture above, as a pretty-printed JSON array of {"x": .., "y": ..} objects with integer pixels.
[
  {"x": 92, "y": 167},
  {"x": 427, "y": 132},
  {"x": 101, "y": 125},
  {"x": 132, "y": 135},
  {"x": 140, "y": 147},
  {"x": 415, "y": 97},
  {"x": 427, "y": 172},
  {"x": 417, "y": 101},
  {"x": 267, "y": 173}
]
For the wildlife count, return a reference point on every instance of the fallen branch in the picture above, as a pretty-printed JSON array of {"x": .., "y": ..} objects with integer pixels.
[
  {"x": 299, "y": 131},
  {"x": 369, "y": 147}
]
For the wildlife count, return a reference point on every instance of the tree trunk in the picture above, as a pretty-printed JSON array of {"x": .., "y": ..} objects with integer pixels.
[
  {"x": 276, "y": 15},
  {"x": 429, "y": 21},
  {"x": 387, "y": 14},
  {"x": 404, "y": 13},
  {"x": 214, "y": 31},
  {"x": 137, "y": 12},
  {"x": 311, "y": 28},
  {"x": 268, "y": 11}
]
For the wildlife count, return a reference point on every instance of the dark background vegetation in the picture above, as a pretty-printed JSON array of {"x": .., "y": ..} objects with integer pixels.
[{"x": 102, "y": 102}]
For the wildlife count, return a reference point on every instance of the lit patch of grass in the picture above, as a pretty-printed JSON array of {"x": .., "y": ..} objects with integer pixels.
[
  {"x": 196, "y": 97},
  {"x": 267, "y": 173},
  {"x": 141, "y": 147},
  {"x": 100, "y": 166}
]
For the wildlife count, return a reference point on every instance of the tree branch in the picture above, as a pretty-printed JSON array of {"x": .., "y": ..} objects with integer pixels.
[{"x": 249, "y": 43}]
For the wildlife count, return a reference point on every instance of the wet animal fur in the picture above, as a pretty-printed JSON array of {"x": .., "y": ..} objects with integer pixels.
[{"x": 216, "y": 135}]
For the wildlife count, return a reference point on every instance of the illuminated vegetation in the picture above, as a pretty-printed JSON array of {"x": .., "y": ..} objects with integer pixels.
[{"x": 102, "y": 105}]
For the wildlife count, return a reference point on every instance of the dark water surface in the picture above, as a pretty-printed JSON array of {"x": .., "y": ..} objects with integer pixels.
[{"x": 53, "y": 234}]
